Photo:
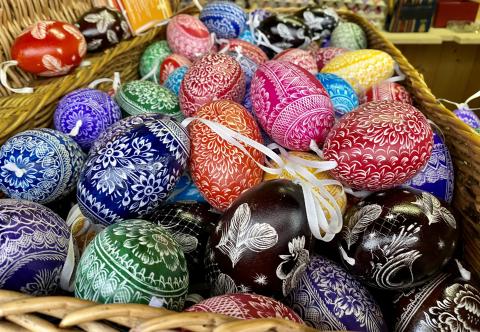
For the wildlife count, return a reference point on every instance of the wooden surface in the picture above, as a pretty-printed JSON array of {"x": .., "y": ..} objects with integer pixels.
[{"x": 434, "y": 36}]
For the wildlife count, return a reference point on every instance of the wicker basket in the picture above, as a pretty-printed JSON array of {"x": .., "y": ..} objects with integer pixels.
[{"x": 24, "y": 313}]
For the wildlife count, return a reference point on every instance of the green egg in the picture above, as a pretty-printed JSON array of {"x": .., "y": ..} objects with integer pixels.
[
  {"x": 349, "y": 35},
  {"x": 152, "y": 58}
]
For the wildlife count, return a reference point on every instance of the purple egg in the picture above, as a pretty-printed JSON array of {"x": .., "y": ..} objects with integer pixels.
[{"x": 468, "y": 116}]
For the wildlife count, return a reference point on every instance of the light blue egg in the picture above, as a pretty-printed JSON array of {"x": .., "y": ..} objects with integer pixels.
[
  {"x": 175, "y": 79},
  {"x": 344, "y": 98},
  {"x": 246, "y": 35},
  {"x": 249, "y": 66},
  {"x": 226, "y": 19},
  {"x": 186, "y": 191}
]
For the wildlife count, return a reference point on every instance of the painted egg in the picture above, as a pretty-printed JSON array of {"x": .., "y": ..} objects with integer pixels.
[
  {"x": 342, "y": 95},
  {"x": 186, "y": 191},
  {"x": 188, "y": 36},
  {"x": 221, "y": 171},
  {"x": 387, "y": 91},
  {"x": 379, "y": 145},
  {"x": 349, "y": 35},
  {"x": 248, "y": 50},
  {"x": 398, "y": 239},
  {"x": 247, "y": 35},
  {"x": 84, "y": 114},
  {"x": 325, "y": 54},
  {"x": 248, "y": 67},
  {"x": 172, "y": 62},
  {"x": 175, "y": 79},
  {"x": 320, "y": 21},
  {"x": 329, "y": 299},
  {"x": 262, "y": 242},
  {"x": 224, "y": 18},
  {"x": 133, "y": 261},
  {"x": 469, "y": 117},
  {"x": 39, "y": 165},
  {"x": 34, "y": 245},
  {"x": 151, "y": 60},
  {"x": 49, "y": 48},
  {"x": 446, "y": 303},
  {"x": 300, "y": 58},
  {"x": 246, "y": 306},
  {"x": 247, "y": 103},
  {"x": 138, "y": 97},
  {"x": 437, "y": 177},
  {"x": 129, "y": 173},
  {"x": 103, "y": 28},
  {"x": 362, "y": 69},
  {"x": 215, "y": 76},
  {"x": 291, "y": 105},
  {"x": 189, "y": 224}
]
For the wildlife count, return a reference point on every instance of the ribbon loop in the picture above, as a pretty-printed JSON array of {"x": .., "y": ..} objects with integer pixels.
[
  {"x": 397, "y": 78},
  {"x": 464, "y": 105},
  {"x": 115, "y": 82},
  {"x": 4, "y": 81}
]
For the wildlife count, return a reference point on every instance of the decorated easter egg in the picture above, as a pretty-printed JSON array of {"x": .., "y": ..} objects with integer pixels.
[
  {"x": 247, "y": 35},
  {"x": 379, "y": 145},
  {"x": 215, "y": 76},
  {"x": 186, "y": 191},
  {"x": 446, "y": 303},
  {"x": 224, "y": 18},
  {"x": 325, "y": 54},
  {"x": 246, "y": 49},
  {"x": 103, "y": 28},
  {"x": 175, "y": 79},
  {"x": 49, "y": 48},
  {"x": 437, "y": 176},
  {"x": 248, "y": 67},
  {"x": 133, "y": 261},
  {"x": 246, "y": 306},
  {"x": 188, "y": 36},
  {"x": 398, "y": 239},
  {"x": 130, "y": 172},
  {"x": 172, "y": 62},
  {"x": 262, "y": 242},
  {"x": 39, "y": 165},
  {"x": 362, "y": 69},
  {"x": 387, "y": 91},
  {"x": 342, "y": 95},
  {"x": 329, "y": 299},
  {"x": 220, "y": 170},
  {"x": 152, "y": 58},
  {"x": 34, "y": 245},
  {"x": 298, "y": 57},
  {"x": 84, "y": 114},
  {"x": 291, "y": 105},
  {"x": 469, "y": 117},
  {"x": 349, "y": 35},
  {"x": 320, "y": 21},
  {"x": 137, "y": 97}
]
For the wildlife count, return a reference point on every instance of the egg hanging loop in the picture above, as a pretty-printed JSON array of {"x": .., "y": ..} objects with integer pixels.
[{"x": 4, "y": 80}]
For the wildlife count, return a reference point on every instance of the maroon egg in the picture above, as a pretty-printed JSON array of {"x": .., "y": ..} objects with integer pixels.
[
  {"x": 387, "y": 91},
  {"x": 262, "y": 242},
  {"x": 397, "y": 239}
]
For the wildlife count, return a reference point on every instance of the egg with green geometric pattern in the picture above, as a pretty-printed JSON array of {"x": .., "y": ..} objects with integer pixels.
[
  {"x": 133, "y": 261},
  {"x": 152, "y": 58}
]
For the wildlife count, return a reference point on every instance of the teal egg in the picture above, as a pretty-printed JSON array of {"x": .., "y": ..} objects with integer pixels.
[
  {"x": 342, "y": 95},
  {"x": 349, "y": 35},
  {"x": 152, "y": 58},
  {"x": 175, "y": 79}
]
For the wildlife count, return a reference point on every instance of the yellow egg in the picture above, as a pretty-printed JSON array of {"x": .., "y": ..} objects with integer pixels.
[{"x": 362, "y": 69}]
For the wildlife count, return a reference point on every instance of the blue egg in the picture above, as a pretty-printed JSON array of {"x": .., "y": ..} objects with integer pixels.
[
  {"x": 186, "y": 191},
  {"x": 344, "y": 98},
  {"x": 437, "y": 177},
  {"x": 39, "y": 165},
  {"x": 246, "y": 35},
  {"x": 84, "y": 114},
  {"x": 469, "y": 117},
  {"x": 175, "y": 79},
  {"x": 248, "y": 66},
  {"x": 226, "y": 19},
  {"x": 133, "y": 168}
]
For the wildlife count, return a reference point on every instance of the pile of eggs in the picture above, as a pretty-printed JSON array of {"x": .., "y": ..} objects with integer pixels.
[{"x": 183, "y": 208}]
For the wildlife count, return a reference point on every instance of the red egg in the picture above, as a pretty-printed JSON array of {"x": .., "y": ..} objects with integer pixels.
[
  {"x": 300, "y": 58},
  {"x": 172, "y": 62},
  {"x": 324, "y": 55},
  {"x": 221, "y": 171},
  {"x": 215, "y": 76},
  {"x": 379, "y": 145},
  {"x": 247, "y": 49},
  {"x": 387, "y": 91},
  {"x": 49, "y": 48}
]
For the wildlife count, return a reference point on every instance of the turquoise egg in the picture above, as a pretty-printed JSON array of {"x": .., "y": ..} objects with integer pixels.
[
  {"x": 343, "y": 96},
  {"x": 175, "y": 79}
]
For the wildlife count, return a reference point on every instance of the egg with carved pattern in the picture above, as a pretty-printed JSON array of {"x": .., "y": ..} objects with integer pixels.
[
  {"x": 469, "y": 117},
  {"x": 175, "y": 79},
  {"x": 321, "y": 22},
  {"x": 224, "y": 18},
  {"x": 325, "y": 54},
  {"x": 344, "y": 98},
  {"x": 152, "y": 58},
  {"x": 172, "y": 62},
  {"x": 387, "y": 91},
  {"x": 398, "y": 239},
  {"x": 300, "y": 58},
  {"x": 246, "y": 49},
  {"x": 186, "y": 191},
  {"x": 349, "y": 35}
]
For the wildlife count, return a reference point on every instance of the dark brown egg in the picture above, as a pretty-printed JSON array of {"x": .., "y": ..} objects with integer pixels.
[
  {"x": 398, "y": 238},
  {"x": 262, "y": 242}
]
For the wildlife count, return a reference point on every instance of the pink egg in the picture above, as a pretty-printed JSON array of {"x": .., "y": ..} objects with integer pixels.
[
  {"x": 291, "y": 105},
  {"x": 247, "y": 49},
  {"x": 387, "y": 91},
  {"x": 300, "y": 58}
]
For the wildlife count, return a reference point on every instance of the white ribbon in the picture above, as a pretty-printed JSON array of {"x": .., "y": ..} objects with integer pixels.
[
  {"x": 115, "y": 82},
  {"x": 397, "y": 78},
  {"x": 464, "y": 105},
  {"x": 4, "y": 81},
  {"x": 198, "y": 5},
  {"x": 155, "y": 68},
  {"x": 67, "y": 274}
]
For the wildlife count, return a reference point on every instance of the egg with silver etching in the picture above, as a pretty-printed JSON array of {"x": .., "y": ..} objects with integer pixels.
[
  {"x": 262, "y": 242},
  {"x": 224, "y": 18},
  {"x": 398, "y": 239}
]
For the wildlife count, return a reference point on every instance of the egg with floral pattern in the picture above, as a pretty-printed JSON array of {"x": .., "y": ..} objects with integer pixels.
[
  {"x": 321, "y": 22},
  {"x": 349, "y": 35},
  {"x": 246, "y": 49},
  {"x": 175, "y": 79},
  {"x": 248, "y": 67},
  {"x": 344, "y": 98},
  {"x": 387, "y": 91},
  {"x": 325, "y": 54},
  {"x": 39, "y": 165},
  {"x": 172, "y": 62},
  {"x": 298, "y": 57},
  {"x": 152, "y": 58},
  {"x": 224, "y": 18},
  {"x": 132, "y": 168},
  {"x": 34, "y": 246},
  {"x": 133, "y": 261}
]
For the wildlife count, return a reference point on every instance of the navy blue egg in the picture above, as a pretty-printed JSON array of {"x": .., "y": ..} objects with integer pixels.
[
  {"x": 84, "y": 114},
  {"x": 344, "y": 98},
  {"x": 226, "y": 19},
  {"x": 39, "y": 165},
  {"x": 186, "y": 191},
  {"x": 175, "y": 79},
  {"x": 132, "y": 168},
  {"x": 437, "y": 177}
]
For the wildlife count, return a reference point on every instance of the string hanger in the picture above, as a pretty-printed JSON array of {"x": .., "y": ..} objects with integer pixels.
[
  {"x": 463, "y": 106},
  {"x": 4, "y": 81}
]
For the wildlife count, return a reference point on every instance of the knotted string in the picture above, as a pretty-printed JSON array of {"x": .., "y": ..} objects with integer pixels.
[
  {"x": 4, "y": 81},
  {"x": 463, "y": 106}
]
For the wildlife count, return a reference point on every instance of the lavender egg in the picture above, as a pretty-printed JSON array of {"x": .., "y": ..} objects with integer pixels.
[
  {"x": 469, "y": 117},
  {"x": 84, "y": 114}
]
